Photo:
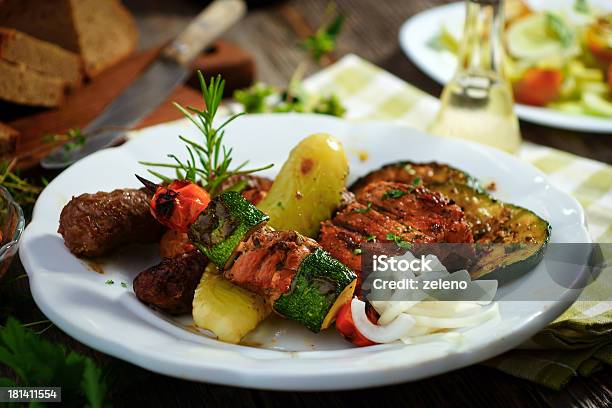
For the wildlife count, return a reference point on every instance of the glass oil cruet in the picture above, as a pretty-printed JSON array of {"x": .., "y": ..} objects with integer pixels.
[{"x": 477, "y": 103}]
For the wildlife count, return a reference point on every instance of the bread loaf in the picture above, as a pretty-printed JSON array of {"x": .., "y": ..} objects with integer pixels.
[
  {"x": 8, "y": 140},
  {"x": 40, "y": 56},
  {"x": 22, "y": 85},
  {"x": 101, "y": 31}
]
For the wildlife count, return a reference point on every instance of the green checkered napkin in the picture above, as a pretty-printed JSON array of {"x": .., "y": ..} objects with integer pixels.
[{"x": 580, "y": 341}]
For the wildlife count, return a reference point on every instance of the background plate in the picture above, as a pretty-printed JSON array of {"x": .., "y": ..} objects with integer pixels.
[
  {"x": 110, "y": 318},
  {"x": 440, "y": 66}
]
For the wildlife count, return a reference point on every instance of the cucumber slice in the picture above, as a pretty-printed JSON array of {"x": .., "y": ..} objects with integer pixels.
[
  {"x": 572, "y": 107},
  {"x": 532, "y": 38},
  {"x": 320, "y": 284},
  {"x": 596, "y": 104}
]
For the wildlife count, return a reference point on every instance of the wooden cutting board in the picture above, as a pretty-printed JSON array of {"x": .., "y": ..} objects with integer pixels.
[{"x": 87, "y": 102}]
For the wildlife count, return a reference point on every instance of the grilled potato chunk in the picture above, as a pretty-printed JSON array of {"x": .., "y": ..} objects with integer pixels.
[
  {"x": 227, "y": 310},
  {"x": 309, "y": 186}
]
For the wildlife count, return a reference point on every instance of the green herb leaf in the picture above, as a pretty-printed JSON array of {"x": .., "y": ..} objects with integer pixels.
[
  {"x": 581, "y": 6},
  {"x": 329, "y": 105},
  {"x": 93, "y": 384},
  {"x": 37, "y": 362},
  {"x": 124, "y": 285},
  {"x": 22, "y": 190},
  {"x": 324, "y": 40},
  {"x": 417, "y": 181},
  {"x": 357, "y": 251},
  {"x": 371, "y": 238},
  {"x": 363, "y": 210},
  {"x": 110, "y": 282},
  {"x": 560, "y": 29},
  {"x": 398, "y": 241},
  {"x": 253, "y": 99},
  {"x": 393, "y": 193},
  {"x": 444, "y": 41}
]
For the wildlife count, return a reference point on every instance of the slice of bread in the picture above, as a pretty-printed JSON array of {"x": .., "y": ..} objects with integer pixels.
[
  {"x": 101, "y": 31},
  {"x": 8, "y": 140},
  {"x": 106, "y": 31},
  {"x": 41, "y": 56},
  {"x": 22, "y": 85}
]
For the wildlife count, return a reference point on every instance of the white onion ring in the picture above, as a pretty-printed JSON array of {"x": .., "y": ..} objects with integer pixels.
[
  {"x": 458, "y": 322},
  {"x": 398, "y": 328}
]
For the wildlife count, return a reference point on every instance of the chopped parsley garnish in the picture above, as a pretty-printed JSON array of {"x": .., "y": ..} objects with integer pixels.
[
  {"x": 371, "y": 238},
  {"x": 363, "y": 210},
  {"x": 110, "y": 282},
  {"x": 398, "y": 241},
  {"x": 357, "y": 251},
  {"x": 417, "y": 181},
  {"x": 123, "y": 285},
  {"x": 393, "y": 193}
]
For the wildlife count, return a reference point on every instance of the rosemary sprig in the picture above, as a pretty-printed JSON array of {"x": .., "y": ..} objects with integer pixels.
[
  {"x": 208, "y": 163},
  {"x": 24, "y": 192},
  {"x": 73, "y": 137}
]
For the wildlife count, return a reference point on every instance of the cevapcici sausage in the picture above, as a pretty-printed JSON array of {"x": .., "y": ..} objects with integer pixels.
[
  {"x": 170, "y": 285},
  {"x": 94, "y": 224}
]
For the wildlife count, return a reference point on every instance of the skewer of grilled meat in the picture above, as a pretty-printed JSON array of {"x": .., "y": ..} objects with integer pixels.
[
  {"x": 292, "y": 272},
  {"x": 169, "y": 286},
  {"x": 95, "y": 224},
  {"x": 253, "y": 188}
]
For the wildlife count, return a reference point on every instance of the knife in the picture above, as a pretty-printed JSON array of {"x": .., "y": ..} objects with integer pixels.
[{"x": 168, "y": 71}]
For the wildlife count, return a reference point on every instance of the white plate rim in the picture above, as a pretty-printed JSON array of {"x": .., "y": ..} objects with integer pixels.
[{"x": 281, "y": 376}]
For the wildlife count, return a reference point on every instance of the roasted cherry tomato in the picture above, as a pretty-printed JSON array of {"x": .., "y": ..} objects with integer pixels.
[
  {"x": 538, "y": 86},
  {"x": 178, "y": 204},
  {"x": 346, "y": 326},
  {"x": 599, "y": 39}
]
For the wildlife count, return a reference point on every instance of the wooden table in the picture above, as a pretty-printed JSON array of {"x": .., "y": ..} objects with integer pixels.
[{"x": 269, "y": 33}]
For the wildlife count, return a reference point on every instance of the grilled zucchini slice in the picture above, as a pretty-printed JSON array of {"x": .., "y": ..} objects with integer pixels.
[
  {"x": 410, "y": 173},
  {"x": 321, "y": 284},
  {"x": 518, "y": 236},
  {"x": 226, "y": 222}
]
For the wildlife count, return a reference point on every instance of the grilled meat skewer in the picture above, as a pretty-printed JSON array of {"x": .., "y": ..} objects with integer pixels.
[{"x": 294, "y": 274}]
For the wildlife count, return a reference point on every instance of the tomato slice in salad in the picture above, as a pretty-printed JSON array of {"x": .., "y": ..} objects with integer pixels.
[
  {"x": 599, "y": 38},
  {"x": 538, "y": 86}
]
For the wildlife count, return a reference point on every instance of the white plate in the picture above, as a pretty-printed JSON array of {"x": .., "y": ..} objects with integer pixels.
[
  {"x": 440, "y": 65},
  {"x": 110, "y": 319}
]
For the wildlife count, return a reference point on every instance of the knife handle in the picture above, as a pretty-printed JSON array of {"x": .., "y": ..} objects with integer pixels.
[{"x": 204, "y": 29}]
